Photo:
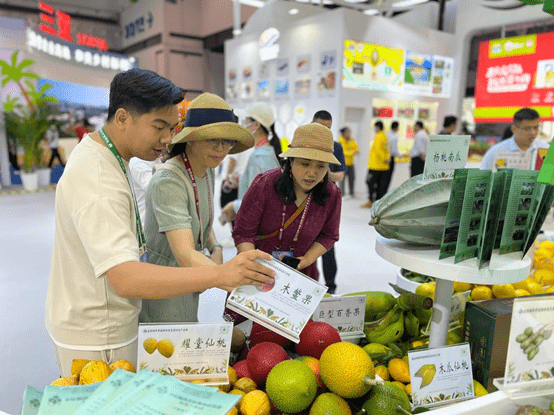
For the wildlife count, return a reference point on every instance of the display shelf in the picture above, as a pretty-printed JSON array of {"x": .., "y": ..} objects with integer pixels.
[
  {"x": 496, "y": 403},
  {"x": 534, "y": 392},
  {"x": 425, "y": 260}
]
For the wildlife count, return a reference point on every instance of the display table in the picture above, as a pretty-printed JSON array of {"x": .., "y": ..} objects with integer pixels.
[
  {"x": 425, "y": 260},
  {"x": 496, "y": 403}
]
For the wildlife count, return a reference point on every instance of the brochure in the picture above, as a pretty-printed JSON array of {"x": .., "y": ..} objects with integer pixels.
[
  {"x": 172, "y": 396},
  {"x": 531, "y": 344},
  {"x": 107, "y": 388},
  {"x": 284, "y": 308},
  {"x": 546, "y": 173},
  {"x": 346, "y": 314},
  {"x": 453, "y": 214},
  {"x": 474, "y": 214},
  {"x": 522, "y": 200},
  {"x": 194, "y": 351},
  {"x": 441, "y": 375},
  {"x": 502, "y": 214},
  {"x": 445, "y": 154},
  {"x": 31, "y": 401},
  {"x": 492, "y": 217},
  {"x": 540, "y": 216},
  {"x": 65, "y": 400}
]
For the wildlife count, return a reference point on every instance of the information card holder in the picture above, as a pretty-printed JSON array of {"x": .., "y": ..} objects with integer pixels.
[
  {"x": 346, "y": 314},
  {"x": 445, "y": 154},
  {"x": 286, "y": 307},
  {"x": 193, "y": 351}
]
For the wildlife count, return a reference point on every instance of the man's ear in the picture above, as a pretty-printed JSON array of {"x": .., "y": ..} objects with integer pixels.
[{"x": 122, "y": 118}]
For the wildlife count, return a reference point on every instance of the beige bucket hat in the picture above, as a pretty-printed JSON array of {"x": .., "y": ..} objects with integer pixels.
[
  {"x": 313, "y": 142},
  {"x": 210, "y": 117}
]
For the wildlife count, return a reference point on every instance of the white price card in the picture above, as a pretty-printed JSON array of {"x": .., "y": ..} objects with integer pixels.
[
  {"x": 441, "y": 375},
  {"x": 531, "y": 343},
  {"x": 285, "y": 307},
  {"x": 346, "y": 314},
  {"x": 193, "y": 351},
  {"x": 511, "y": 160},
  {"x": 445, "y": 154}
]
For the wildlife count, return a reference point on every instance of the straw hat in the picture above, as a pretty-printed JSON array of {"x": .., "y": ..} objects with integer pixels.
[
  {"x": 210, "y": 117},
  {"x": 258, "y": 111},
  {"x": 313, "y": 142}
]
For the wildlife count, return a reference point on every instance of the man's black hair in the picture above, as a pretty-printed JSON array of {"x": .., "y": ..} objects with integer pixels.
[
  {"x": 419, "y": 124},
  {"x": 284, "y": 185},
  {"x": 380, "y": 125},
  {"x": 525, "y": 114},
  {"x": 449, "y": 120},
  {"x": 322, "y": 115},
  {"x": 140, "y": 91},
  {"x": 343, "y": 129},
  {"x": 394, "y": 125}
]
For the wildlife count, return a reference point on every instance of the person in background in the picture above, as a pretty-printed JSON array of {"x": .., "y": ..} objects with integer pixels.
[
  {"x": 259, "y": 122},
  {"x": 179, "y": 201},
  {"x": 525, "y": 129},
  {"x": 378, "y": 166},
  {"x": 99, "y": 273},
  {"x": 350, "y": 149},
  {"x": 392, "y": 141},
  {"x": 53, "y": 140},
  {"x": 141, "y": 172},
  {"x": 336, "y": 174},
  {"x": 82, "y": 129},
  {"x": 449, "y": 124},
  {"x": 419, "y": 149}
]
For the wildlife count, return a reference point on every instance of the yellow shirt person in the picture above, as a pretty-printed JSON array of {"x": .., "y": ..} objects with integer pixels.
[
  {"x": 350, "y": 148},
  {"x": 379, "y": 156}
]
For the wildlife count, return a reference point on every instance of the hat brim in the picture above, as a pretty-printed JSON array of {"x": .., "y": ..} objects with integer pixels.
[
  {"x": 240, "y": 113},
  {"x": 310, "y": 154},
  {"x": 217, "y": 131}
]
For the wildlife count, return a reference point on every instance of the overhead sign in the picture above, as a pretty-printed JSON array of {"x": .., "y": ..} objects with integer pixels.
[
  {"x": 139, "y": 25},
  {"x": 269, "y": 49},
  {"x": 513, "y": 73},
  {"x": 79, "y": 55},
  {"x": 58, "y": 24}
]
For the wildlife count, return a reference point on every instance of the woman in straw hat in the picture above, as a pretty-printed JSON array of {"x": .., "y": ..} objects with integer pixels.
[
  {"x": 260, "y": 121},
  {"x": 179, "y": 200},
  {"x": 299, "y": 191}
]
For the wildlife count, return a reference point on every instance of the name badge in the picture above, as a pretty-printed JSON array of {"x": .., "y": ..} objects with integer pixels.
[
  {"x": 278, "y": 255},
  {"x": 143, "y": 254}
]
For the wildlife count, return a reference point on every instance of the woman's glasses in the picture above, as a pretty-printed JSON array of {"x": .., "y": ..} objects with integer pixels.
[{"x": 215, "y": 143}]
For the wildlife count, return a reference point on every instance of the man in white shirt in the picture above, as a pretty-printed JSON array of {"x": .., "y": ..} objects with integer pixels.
[
  {"x": 99, "y": 273},
  {"x": 392, "y": 140},
  {"x": 53, "y": 139},
  {"x": 419, "y": 149},
  {"x": 525, "y": 128},
  {"x": 141, "y": 173}
]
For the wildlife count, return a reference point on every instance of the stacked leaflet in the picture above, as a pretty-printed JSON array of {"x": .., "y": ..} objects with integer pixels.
[
  {"x": 494, "y": 213},
  {"x": 127, "y": 393}
]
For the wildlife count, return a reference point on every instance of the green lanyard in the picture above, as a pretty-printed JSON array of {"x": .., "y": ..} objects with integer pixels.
[{"x": 140, "y": 234}]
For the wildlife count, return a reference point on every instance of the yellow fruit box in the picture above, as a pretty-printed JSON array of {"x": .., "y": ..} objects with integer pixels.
[{"x": 487, "y": 330}]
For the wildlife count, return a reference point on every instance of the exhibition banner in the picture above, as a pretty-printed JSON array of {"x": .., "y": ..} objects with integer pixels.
[{"x": 513, "y": 73}]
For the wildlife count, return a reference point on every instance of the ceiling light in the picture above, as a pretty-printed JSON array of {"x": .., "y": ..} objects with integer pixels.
[
  {"x": 293, "y": 11},
  {"x": 408, "y": 3},
  {"x": 371, "y": 12},
  {"x": 254, "y": 3}
]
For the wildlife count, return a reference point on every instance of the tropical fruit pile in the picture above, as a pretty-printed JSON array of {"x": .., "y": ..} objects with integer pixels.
[{"x": 85, "y": 372}]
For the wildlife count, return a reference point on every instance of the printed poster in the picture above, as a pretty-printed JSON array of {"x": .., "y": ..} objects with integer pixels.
[
  {"x": 372, "y": 67},
  {"x": 326, "y": 83},
  {"x": 303, "y": 64},
  {"x": 303, "y": 86},
  {"x": 247, "y": 90},
  {"x": 264, "y": 70},
  {"x": 281, "y": 87},
  {"x": 264, "y": 90},
  {"x": 282, "y": 67},
  {"x": 417, "y": 75},
  {"x": 247, "y": 73},
  {"x": 328, "y": 60}
]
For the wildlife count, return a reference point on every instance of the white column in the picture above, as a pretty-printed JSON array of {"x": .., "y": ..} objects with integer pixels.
[
  {"x": 4, "y": 159},
  {"x": 236, "y": 18}
]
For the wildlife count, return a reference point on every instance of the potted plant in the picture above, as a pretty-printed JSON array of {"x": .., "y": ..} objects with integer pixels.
[{"x": 30, "y": 121}]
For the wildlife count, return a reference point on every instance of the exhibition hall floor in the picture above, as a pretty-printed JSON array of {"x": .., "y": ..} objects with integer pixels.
[{"x": 26, "y": 239}]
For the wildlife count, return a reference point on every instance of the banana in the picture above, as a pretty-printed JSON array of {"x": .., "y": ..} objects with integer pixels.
[
  {"x": 423, "y": 315},
  {"x": 426, "y": 373},
  {"x": 411, "y": 323},
  {"x": 391, "y": 317},
  {"x": 377, "y": 302}
]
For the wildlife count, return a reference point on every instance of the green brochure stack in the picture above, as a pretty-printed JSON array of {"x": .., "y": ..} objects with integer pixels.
[
  {"x": 126, "y": 393},
  {"x": 500, "y": 212}
]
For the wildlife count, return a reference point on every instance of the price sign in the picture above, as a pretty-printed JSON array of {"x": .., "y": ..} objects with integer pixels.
[
  {"x": 346, "y": 314},
  {"x": 445, "y": 154}
]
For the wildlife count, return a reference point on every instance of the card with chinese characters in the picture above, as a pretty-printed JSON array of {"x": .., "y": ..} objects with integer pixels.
[
  {"x": 441, "y": 375},
  {"x": 346, "y": 314},
  {"x": 445, "y": 154},
  {"x": 285, "y": 307},
  {"x": 194, "y": 351}
]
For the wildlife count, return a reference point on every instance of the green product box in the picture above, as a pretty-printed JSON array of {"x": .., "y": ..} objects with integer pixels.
[{"x": 487, "y": 330}]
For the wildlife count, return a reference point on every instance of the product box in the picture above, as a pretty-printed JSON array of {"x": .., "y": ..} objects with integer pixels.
[{"x": 487, "y": 330}]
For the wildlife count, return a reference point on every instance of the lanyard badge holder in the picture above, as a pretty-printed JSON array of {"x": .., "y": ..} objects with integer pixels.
[
  {"x": 143, "y": 253},
  {"x": 281, "y": 255}
]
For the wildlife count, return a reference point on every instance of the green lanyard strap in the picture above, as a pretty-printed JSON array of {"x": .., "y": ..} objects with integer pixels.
[{"x": 140, "y": 234}]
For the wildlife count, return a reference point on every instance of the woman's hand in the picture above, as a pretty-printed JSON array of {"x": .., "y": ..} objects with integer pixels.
[
  {"x": 243, "y": 270},
  {"x": 229, "y": 212},
  {"x": 304, "y": 263}
]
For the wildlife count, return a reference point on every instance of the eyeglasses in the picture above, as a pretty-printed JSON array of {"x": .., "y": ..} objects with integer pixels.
[{"x": 214, "y": 143}]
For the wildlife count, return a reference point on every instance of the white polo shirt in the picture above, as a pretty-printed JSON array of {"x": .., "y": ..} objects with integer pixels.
[{"x": 510, "y": 146}]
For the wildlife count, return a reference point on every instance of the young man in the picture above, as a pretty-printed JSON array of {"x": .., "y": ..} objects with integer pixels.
[
  {"x": 377, "y": 166},
  {"x": 336, "y": 174},
  {"x": 392, "y": 141},
  {"x": 419, "y": 149},
  {"x": 350, "y": 149},
  {"x": 98, "y": 274},
  {"x": 449, "y": 125},
  {"x": 53, "y": 139},
  {"x": 525, "y": 130}
]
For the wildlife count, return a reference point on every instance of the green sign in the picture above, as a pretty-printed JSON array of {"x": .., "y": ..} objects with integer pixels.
[
  {"x": 548, "y": 5},
  {"x": 513, "y": 46}
]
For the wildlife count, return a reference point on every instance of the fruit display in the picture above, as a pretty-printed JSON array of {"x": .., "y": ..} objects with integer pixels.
[
  {"x": 86, "y": 372},
  {"x": 413, "y": 212}
]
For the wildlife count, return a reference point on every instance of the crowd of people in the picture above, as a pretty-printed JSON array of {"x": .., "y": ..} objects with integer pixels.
[{"x": 134, "y": 239}]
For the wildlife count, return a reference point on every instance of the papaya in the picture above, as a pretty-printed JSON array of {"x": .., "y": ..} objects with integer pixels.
[{"x": 414, "y": 212}]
